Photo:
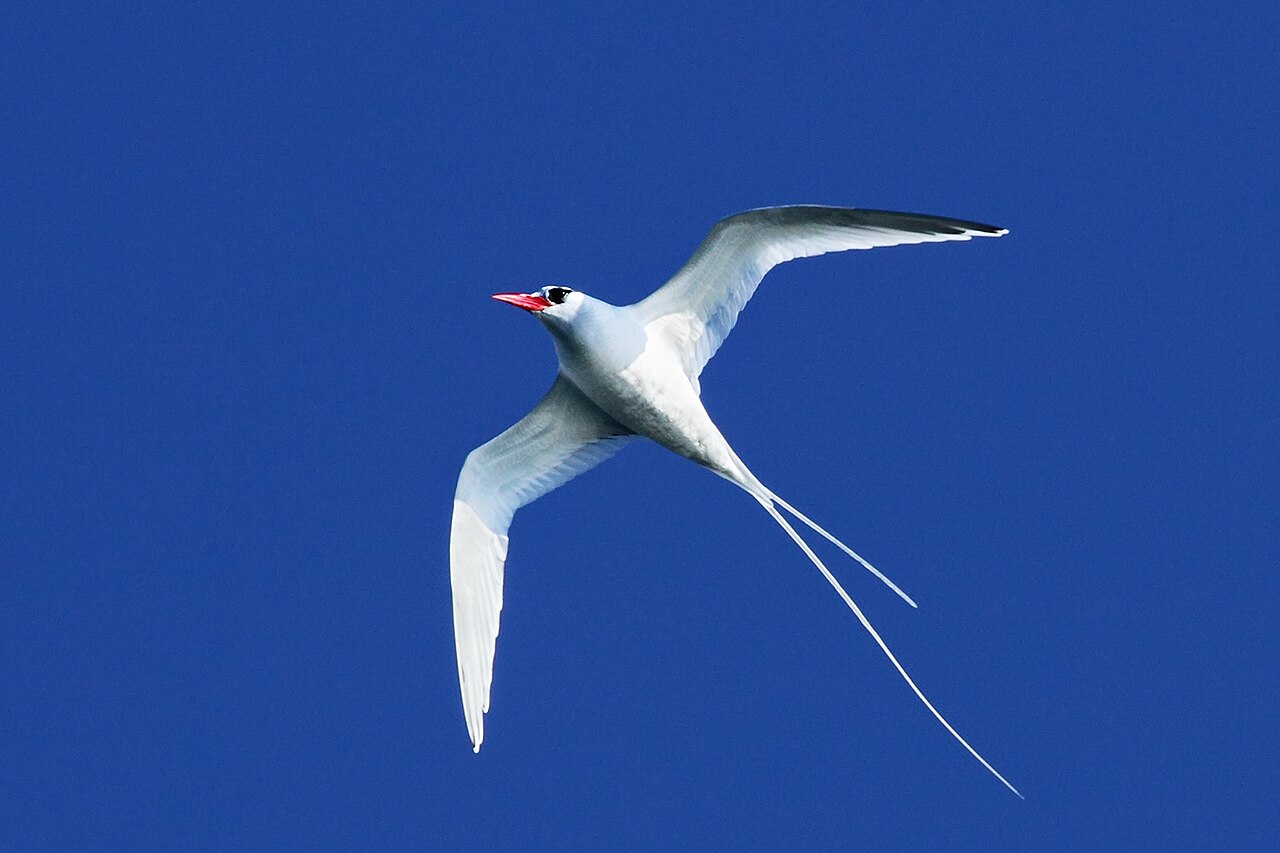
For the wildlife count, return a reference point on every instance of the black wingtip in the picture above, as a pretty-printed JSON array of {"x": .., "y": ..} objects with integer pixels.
[
  {"x": 919, "y": 223},
  {"x": 926, "y": 224}
]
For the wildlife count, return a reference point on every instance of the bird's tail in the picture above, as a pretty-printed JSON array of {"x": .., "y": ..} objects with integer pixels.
[
  {"x": 767, "y": 500},
  {"x": 804, "y": 519}
]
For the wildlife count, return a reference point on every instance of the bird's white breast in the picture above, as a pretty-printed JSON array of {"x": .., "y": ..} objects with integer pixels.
[{"x": 639, "y": 378}]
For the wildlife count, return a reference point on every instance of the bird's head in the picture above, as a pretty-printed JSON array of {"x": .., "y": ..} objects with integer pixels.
[{"x": 549, "y": 303}]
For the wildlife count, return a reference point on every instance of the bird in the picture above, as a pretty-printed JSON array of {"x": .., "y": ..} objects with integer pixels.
[{"x": 632, "y": 371}]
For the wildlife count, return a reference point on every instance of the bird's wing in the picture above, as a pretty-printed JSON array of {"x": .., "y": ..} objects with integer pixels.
[
  {"x": 563, "y": 436},
  {"x": 698, "y": 307}
]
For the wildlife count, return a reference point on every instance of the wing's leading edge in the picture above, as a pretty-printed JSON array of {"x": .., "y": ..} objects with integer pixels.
[
  {"x": 698, "y": 307},
  {"x": 563, "y": 436}
]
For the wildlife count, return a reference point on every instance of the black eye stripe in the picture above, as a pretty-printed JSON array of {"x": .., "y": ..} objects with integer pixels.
[{"x": 556, "y": 295}]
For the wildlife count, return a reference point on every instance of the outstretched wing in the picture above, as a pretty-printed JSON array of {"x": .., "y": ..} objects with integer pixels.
[
  {"x": 563, "y": 436},
  {"x": 698, "y": 307}
]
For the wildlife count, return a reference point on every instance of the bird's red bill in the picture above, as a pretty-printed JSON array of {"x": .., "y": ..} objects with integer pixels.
[{"x": 527, "y": 301}]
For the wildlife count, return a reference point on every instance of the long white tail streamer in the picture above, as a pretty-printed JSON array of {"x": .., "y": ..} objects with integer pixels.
[
  {"x": 843, "y": 547},
  {"x": 813, "y": 558}
]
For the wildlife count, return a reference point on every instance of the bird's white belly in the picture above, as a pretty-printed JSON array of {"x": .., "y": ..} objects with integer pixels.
[{"x": 653, "y": 397}]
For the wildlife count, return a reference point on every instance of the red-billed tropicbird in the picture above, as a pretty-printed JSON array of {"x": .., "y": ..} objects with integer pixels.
[{"x": 632, "y": 371}]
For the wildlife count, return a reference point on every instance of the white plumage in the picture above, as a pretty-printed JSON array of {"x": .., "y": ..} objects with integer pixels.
[{"x": 632, "y": 371}]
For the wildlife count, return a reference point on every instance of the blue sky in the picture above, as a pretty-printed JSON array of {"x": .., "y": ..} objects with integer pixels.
[{"x": 247, "y": 343}]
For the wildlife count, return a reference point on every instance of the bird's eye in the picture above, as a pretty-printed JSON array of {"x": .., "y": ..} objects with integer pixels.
[{"x": 556, "y": 295}]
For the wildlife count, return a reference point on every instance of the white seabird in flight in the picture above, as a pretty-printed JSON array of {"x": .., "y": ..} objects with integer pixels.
[{"x": 632, "y": 371}]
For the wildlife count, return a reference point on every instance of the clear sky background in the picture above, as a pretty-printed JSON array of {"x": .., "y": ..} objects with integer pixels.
[{"x": 247, "y": 342}]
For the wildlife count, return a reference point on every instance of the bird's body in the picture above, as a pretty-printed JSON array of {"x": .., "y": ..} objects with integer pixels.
[
  {"x": 634, "y": 375},
  {"x": 633, "y": 371}
]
